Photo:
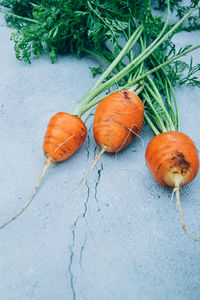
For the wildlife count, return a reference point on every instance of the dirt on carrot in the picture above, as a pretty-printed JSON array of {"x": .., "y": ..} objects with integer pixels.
[{"x": 173, "y": 160}]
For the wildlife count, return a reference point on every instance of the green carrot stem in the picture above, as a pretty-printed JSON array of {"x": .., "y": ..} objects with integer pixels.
[
  {"x": 102, "y": 57},
  {"x": 156, "y": 115},
  {"x": 148, "y": 51},
  {"x": 159, "y": 100},
  {"x": 140, "y": 57},
  {"x": 125, "y": 50},
  {"x": 100, "y": 87},
  {"x": 18, "y": 17},
  {"x": 156, "y": 132},
  {"x": 170, "y": 107},
  {"x": 161, "y": 66},
  {"x": 88, "y": 106},
  {"x": 79, "y": 110},
  {"x": 93, "y": 92},
  {"x": 174, "y": 113},
  {"x": 158, "y": 107},
  {"x": 175, "y": 104}
]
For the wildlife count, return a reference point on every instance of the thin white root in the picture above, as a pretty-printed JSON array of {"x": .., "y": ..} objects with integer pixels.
[
  {"x": 137, "y": 136},
  {"x": 47, "y": 164},
  {"x": 92, "y": 166},
  {"x": 176, "y": 190},
  {"x": 172, "y": 197}
]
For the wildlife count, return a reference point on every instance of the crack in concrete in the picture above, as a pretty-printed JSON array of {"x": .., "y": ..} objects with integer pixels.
[
  {"x": 96, "y": 186},
  {"x": 71, "y": 259},
  {"x": 81, "y": 252},
  {"x": 88, "y": 143},
  {"x": 87, "y": 199},
  {"x": 74, "y": 226},
  {"x": 95, "y": 150}
]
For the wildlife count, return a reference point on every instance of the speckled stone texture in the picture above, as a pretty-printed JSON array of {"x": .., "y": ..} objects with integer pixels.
[{"x": 117, "y": 236}]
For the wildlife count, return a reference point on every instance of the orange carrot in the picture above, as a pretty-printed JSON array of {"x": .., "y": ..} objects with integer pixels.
[
  {"x": 65, "y": 132},
  {"x": 64, "y": 135},
  {"x": 118, "y": 120},
  {"x": 172, "y": 158}
]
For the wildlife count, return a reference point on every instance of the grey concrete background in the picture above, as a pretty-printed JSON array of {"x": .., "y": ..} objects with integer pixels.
[{"x": 117, "y": 236}]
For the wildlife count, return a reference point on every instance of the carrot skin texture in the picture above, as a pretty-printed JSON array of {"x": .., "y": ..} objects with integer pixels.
[
  {"x": 172, "y": 157},
  {"x": 64, "y": 135},
  {"x": 118, "y": 120}
]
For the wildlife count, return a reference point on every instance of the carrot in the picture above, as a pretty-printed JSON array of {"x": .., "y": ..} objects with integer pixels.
[
  {"x": 66, "y": 132},
  {"x": 68, "y": 144},
  {"x": 172, "y": 158},
  {"x": 64, "y": 135},
  {"x": 118, "y": 120}
]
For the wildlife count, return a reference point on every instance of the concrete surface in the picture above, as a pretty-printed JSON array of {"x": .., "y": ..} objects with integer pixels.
[{"x": 116, "y": 237}]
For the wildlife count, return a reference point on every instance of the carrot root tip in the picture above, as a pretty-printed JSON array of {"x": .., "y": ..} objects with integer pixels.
[
  {"x": 93, "y": 165},
  {"x": 47, "y": 164},
  {"x": 177, "y": 191}
]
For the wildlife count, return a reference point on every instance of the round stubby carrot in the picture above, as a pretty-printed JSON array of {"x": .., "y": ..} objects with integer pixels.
[
  {"x": 173, "y": 160},
  {"x": 118, "y": 120},
  {"x": 64, "y": 135}
]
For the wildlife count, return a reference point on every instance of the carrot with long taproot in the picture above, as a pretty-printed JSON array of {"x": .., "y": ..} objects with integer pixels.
[
  {"x": 171, "y": 156},
  {"x": 173, "y": 160},
  {"x": 64, "y": 135}
]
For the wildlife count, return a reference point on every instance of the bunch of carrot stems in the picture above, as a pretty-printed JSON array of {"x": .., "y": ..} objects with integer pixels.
[{"x": 135, "y": 66}]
